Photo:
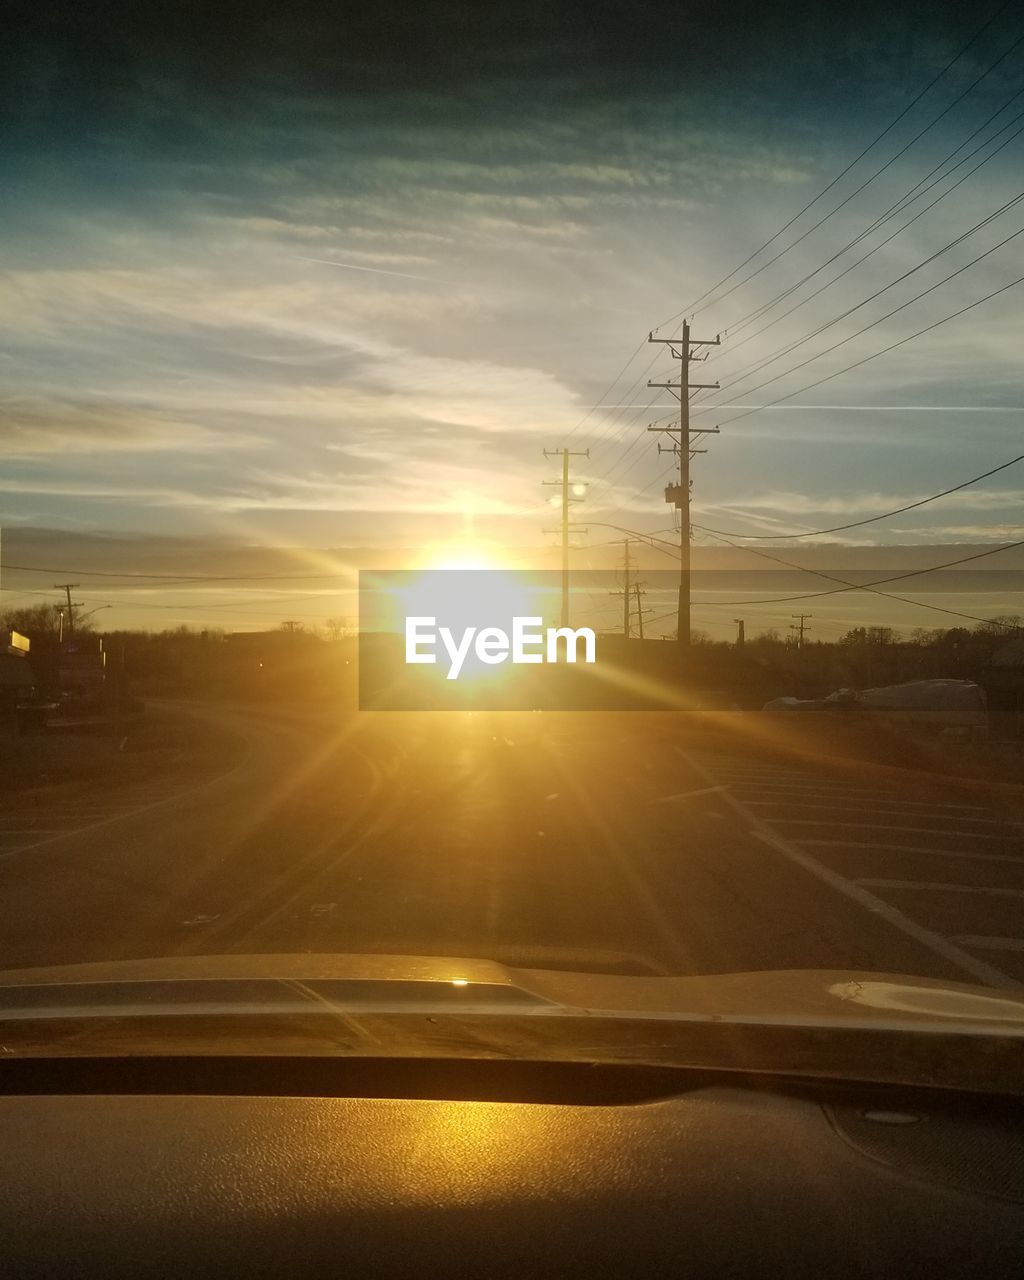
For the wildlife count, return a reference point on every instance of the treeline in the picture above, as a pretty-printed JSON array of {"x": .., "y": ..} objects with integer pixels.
[
  {"x": 291, "y": 662},
  {"x": 865, "y": 657},
  {"x": 296, "y": 662}
]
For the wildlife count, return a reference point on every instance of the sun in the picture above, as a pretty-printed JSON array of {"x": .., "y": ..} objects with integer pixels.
[{"x": 460, "y": 555}]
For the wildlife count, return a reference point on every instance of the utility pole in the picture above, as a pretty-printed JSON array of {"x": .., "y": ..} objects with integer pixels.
[
  {"x": 640, "y": 611},
  {"x": 740, "y": 637},
  {"x": 626, "y": 602},
  {"x": 679, "y": 494},
  {"x": 626, "y": 592},
  {"x": 800, "y": 627},
  {"x": 67, "y": 588},
  {"x": 567, "y": 500}
]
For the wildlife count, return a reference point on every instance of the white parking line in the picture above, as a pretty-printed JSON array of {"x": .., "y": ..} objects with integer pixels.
[
  {"x": 887, "y": 826},
  {"x": 31, "y": 831},
  {"x": 851, "y": 794},
  {"x": 839, "y": 807},
  {"x": 930, "y": 886},
  {"x": 687, "y": 795},
  {"x": 891, "y": 797},
  {"x": 776, "y": 775},
  {"x": 87, "y": 811},
  {"x": 770, "y": 782},
  {"x": 990, "y": 944},
  {"x": 943, "y": 947},
  {"x": 914, "y": 848}
]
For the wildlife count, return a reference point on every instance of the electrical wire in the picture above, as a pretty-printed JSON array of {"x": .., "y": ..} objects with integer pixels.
[
  {"x": 857, "y": 524},
  {"x": 757, "y": 365},
  {"x": 885, "y": 350},
  {"x": 802, "y": 364},
  {"x": 692, "y": 308},
  {"x": 908, "y": 198}
]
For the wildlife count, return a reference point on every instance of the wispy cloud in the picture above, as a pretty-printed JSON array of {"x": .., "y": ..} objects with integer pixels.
[
  {"x": 170, "y": 305},
  {"x": 352, "y": 266}
]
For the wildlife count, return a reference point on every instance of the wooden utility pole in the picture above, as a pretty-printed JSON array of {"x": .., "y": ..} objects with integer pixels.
[
  {"x": 638, "y": 590},
  {"x": 567, "y": 527},
  {"x": 630, "y": 589},
  {"x": 626, "y": 602},
  {"x": 679, "y": 494},
  {"x": 739, "y": 632},
  {"x": 67, "y": 588},
  {"x": 800, "y": 627}
]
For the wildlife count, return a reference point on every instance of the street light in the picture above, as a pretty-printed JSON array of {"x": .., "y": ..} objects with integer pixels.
[
  {"x": 92, "y": 611},
  {"x": 61, "y": 612}
]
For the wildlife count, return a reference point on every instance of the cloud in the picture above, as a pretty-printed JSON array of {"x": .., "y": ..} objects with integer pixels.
[
  {"x": 109, "y": 490},
  {"x": 562, "y": 194},
  {"x": 35, "y": 428},
  {"x": 867, "y": 503}
]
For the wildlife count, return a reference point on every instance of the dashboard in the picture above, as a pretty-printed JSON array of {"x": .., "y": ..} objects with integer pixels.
[{"x": 718, "y": 1179}]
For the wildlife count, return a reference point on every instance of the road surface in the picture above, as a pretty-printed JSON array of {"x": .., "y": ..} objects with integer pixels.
[{"x": 616, "y": 843}]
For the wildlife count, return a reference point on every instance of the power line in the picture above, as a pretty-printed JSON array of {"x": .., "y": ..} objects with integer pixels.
[
  {"x": 607, "y": 391},
  {"x": 668, "y": 548},
  {"x": 762, "y": 363},
  {"x": 171, "y": 579},
  {"x": 866, "y": 586},
  {"x": 912, "y": 573},
  {"x": 857, "y": 524},
  {"x": 909, "y": 197},
  {"x": 758, "y": 386},
  {"x": 903, "y": 150},
  {"x": 885, "y": 350}
]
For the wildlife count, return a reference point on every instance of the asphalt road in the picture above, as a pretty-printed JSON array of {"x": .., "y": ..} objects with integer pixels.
[{"x": 617, "y": 843}]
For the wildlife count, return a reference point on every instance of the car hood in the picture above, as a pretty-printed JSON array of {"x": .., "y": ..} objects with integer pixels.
[{"x": 339, "y": 984}]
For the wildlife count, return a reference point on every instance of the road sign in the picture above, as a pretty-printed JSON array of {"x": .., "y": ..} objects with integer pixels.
[{"x": 18, "y": 645}]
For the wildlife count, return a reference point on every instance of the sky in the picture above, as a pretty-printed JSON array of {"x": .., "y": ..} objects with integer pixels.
[{"x": 336, "y": 276}]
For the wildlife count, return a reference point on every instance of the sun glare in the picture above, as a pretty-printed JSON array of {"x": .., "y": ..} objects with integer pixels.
[{"x": 461, "y": 555}]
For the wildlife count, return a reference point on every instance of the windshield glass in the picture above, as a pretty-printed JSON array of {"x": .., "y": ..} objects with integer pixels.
[{"x": 519, "y": 487}]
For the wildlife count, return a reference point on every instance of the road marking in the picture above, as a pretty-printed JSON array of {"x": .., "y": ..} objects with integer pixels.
[
  {"x": 933, "y": 886},
  {"x": 768, "y": 776},
  {"x": 886, "y": 826},
  {"x": 872, "y": 799},
  {"x": 30, "y": 831},
  {"x": 839, "y": 807},
  {"x": 914, "y": 848},
  {"x": 776, "y": 782},
  {"x": 853, "y": 794},
  {"x": 943, "y": 947},
  {"x": 990, "y": 944},
  {"x": 688, "y": 795},
  {"x": 206, "y": 783}
]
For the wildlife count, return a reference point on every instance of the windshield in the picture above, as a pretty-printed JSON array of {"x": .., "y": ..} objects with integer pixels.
[{"x": 521, "y": 489}]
